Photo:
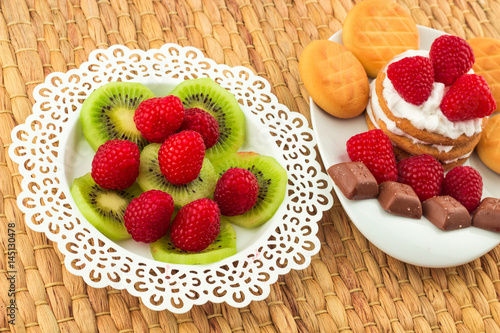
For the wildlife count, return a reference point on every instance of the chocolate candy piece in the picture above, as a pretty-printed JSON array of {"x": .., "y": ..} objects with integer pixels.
[
  {"x": 487, "y": 215},
  {"x": 446, "y": 213},
  {"x": 354, "y": 180},
  {"x": 399, "y": 199}
]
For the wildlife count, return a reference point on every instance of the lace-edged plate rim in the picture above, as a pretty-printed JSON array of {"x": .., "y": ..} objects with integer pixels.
[{"x": 44, "y": 148}]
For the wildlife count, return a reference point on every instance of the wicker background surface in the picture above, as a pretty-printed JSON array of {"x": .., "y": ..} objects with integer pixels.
[{"x": 351, "y": 286}]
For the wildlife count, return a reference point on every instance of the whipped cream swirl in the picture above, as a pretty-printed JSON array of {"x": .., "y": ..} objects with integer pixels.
[{"x": 427, "y": 116}]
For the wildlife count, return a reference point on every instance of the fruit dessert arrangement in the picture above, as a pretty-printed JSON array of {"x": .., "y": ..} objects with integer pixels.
[
  {"x": 426, "y": 112},
  {"x": 412, "y": 87},
  {"x": 168, "y": 170}
]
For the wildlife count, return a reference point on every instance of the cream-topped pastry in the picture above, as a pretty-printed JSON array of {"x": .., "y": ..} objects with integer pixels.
[{"x": 420, "y": 129}]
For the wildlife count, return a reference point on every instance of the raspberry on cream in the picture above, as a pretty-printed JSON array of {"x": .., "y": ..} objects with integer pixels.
[
  {"x": 424, "y": 128},
  {"x": 376, "y": 113},
  {"x": 428, "y": 116}
]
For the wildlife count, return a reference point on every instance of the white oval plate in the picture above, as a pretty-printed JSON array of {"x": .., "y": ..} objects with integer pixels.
[
  {"x": 51, "y": 151},
  {"x": 417, "y": 242}
]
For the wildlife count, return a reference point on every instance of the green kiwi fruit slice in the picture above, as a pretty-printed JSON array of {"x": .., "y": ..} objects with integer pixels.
[
  {"x": 108, "y": 113},
  {"x": 223, "y": 247},
  {"x": 103, "y": 208},
  {"x": 206, "y": 94},
  {"x": 151, "y": 178},
  {"x": 272, "y": 179}
]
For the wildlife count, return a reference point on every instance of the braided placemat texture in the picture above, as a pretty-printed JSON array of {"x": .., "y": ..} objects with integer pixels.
[{"x": 350, "y": 286}]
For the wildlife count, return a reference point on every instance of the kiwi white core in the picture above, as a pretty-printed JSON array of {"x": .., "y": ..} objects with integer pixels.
[
  {"x": 124, "y": 118},
  {"x": 110, "y": 201}
]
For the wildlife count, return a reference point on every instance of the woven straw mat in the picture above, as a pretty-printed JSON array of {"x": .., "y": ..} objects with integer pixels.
[{"x": 350, "y": 286}]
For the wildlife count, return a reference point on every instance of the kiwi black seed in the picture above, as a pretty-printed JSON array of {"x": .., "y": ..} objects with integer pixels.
[
  {"x": 108, "y": 113},
  {"x": 272, "y": 179},
  {"x": 208, "y": 95},
  {"x": 223, "y": 247},
  {"x": 103, "y": 208},
  {"x": 151, "y": 178}
]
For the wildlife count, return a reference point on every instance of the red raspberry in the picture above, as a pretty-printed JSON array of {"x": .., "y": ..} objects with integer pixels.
[
  {"x": 147, "y": 217},
  {"x": 412, "y": 77},
  {"x": 196, "y": 225},
  {"x": 423, "y": 173},
  {"x": 451, "y": 57},
  {"x": 181, "y": 157},
  {"x": 204, "y": 123},
  {"x": 468, "y": 98},
  {"x": 159, "y": 117},
  {"x": 464, "y": 184},
  {"x": 374, "y": 149},
  {"x": 236, "y": 191},
  {"x": 116, "y": 164}
]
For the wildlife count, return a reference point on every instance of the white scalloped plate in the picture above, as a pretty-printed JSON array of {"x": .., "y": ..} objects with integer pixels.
[
  {"x": 416, "y": 242},
  {"x": 51, "y": 152}
]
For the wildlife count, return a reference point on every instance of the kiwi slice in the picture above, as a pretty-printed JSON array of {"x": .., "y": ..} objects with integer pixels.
[
  {"x": 151, "y": 178},
  {"x": 108, "y": 113},
  {"x": 103, "y": 208},
  {"x": 223, "y": 247},
  {"x": 272, "y": 178},
  {"x": 206, "y": 94}
]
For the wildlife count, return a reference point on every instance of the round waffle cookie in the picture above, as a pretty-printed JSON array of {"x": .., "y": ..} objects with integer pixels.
[
  {"x": 377, "y": 30},
  {"x": 334, "y": 78},
  {"x": 488, "y": 148},
  {"x": 487, "y": 64}
]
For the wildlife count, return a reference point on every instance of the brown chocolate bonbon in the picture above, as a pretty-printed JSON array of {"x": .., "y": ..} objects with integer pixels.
[
  {"x": 487, "y": 215},
  {"x": 446, "y": 213},
  {"x": 354, "y": 180},
  {"x": 399, "y": 199}
]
